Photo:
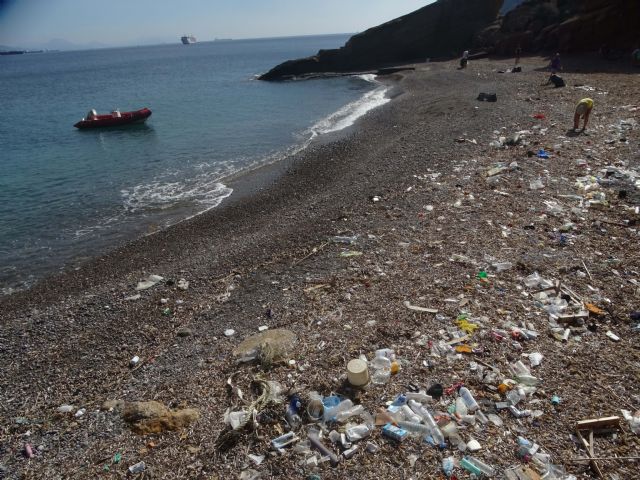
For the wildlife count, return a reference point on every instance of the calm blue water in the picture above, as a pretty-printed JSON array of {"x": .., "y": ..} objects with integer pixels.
[{"x": 66, "y": 194}]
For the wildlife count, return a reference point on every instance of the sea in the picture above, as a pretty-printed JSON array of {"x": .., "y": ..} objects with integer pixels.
[{"x": 68, "y": 195}]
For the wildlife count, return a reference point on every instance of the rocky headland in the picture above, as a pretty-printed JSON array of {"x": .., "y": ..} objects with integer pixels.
[{"x": 445, "y": 28}]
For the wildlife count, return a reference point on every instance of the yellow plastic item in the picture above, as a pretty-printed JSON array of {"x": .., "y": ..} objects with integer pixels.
[
  {"x": 464, "y": 349},
  {"x": 467, "y": 326}
]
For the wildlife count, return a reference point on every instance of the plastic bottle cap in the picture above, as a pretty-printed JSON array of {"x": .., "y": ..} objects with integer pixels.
[{"x": 357, "y": 373}]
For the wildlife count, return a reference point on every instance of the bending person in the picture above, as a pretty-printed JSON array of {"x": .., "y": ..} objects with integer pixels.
[{"x": 583, "y": 110}]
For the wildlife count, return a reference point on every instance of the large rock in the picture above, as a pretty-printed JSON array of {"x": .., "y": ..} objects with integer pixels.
[
  {"x": 564, "y": 26},
  {"x": 267, "y": 346},
  {"x": 444, "y": 28}
]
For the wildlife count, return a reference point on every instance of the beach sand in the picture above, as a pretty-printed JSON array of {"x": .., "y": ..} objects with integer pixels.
[{"x": 410, "y": 181}]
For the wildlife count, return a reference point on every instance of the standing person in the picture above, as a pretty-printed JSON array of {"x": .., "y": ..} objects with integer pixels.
[
  {"x": 555, "y": 64},
  {"x": 465, "y": 59},
  {"x": 518, "y": 54},
  {"x": 583, "y": 109}
]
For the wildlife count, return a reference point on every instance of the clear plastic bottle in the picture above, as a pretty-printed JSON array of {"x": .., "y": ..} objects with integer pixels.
[
  {"x": 469, "y": 401},
  {"x": 331, "y": 412},
  {"x": 343, "y": 415},
  {"x": 414, "y": 427},
  {"x": 409, "y": 415},
  {"x": 448, "y": 465},
  {"x": 428, "y": 419},
  {"x": 381, "y": 369},
  {"x": 461, "y": 407}
]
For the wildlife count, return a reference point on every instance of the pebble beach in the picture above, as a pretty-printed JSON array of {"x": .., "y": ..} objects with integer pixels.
[{"x": 435, "y": 200}]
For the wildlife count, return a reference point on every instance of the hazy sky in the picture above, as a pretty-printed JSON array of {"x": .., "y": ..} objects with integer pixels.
[{"x": 128, "y": 22}]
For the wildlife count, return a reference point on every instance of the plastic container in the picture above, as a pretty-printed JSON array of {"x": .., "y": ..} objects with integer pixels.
[
  {"x": 315, "y": 407},
  {"x": 358, "y": 432},
  {"x": 381, "y": 369},
  {"x": 357, "y": 373},
  {"x": 395, "y": 433}
]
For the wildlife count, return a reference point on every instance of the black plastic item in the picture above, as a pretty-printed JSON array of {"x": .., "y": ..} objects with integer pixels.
[
  {"x": 488, "y": 97},
  {"x": 435, "y": 391}
]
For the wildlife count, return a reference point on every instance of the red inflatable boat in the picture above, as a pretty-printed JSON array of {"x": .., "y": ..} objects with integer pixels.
[{"x": 113, "y": 119}]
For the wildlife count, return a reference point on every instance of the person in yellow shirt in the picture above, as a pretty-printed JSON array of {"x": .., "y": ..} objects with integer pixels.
[{"x": 583, "y": 110}]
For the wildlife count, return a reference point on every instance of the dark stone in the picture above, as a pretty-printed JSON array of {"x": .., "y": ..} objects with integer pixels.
[{"x": 442, "y": 29}]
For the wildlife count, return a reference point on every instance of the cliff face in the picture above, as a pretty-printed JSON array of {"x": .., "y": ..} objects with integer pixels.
[
  {"x": 444, "y": 28},
  {"x": 564, "y": 26}
]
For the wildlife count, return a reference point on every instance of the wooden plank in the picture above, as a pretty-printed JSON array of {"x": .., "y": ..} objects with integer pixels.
[
  {"x": 592, "y": 462},
  {"x": 598, "y": 423}
]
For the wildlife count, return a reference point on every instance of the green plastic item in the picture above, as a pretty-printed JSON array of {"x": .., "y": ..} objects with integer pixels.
[
  {"x": 470, "y": 467},
  {"x": 482, "y": 274},
  {"x": 117, "y": 457}
]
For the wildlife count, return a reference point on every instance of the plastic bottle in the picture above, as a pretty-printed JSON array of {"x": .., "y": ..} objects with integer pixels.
[
  {"x": 461, "y": 407},
  {"x": 478, "y": 465},
  {"x": 292, "y": 414},
  {"x": 448, "y": 465},
  {"x": 514, "y": 397},
  {"x": 469, "y": 401},
  {"x": 343, "y": 415},
  {"x": 482, "y": 418},
  {"x": 428, "y": 419},
  {"x": 413, "y": 427},
  {"x": 381, "y": 369},
  {"x": 409, "y": 415},
  {"x": 419, "y": 397},
  {"x": 330, "y": 413}
]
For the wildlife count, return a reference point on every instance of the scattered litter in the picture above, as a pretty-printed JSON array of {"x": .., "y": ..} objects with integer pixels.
[{"x": 149, "y": 282}]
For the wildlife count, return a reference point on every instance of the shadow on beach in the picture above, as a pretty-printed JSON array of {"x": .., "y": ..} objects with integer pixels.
[{"x": 593, "y": 63}]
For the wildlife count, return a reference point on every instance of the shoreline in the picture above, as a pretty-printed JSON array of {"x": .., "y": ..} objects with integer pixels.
[
  {"x": 247, "y": 175},
  {"x": 269, "y": 258}
]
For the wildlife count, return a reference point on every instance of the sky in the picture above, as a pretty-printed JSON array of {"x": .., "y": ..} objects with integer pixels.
[{"x": 34, "y": 23}]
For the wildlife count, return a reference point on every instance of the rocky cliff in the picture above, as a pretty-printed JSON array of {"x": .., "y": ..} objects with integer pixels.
[
  {"x": 444, "y": 28},
  {"x": 564, "y": 26}
]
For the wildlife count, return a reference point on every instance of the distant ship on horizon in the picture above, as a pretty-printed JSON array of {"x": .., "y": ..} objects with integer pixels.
[{"x": 188, "y": 39}]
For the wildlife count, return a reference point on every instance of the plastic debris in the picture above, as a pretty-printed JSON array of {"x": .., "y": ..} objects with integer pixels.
[
  {"x": 137, "y": 468},
  {"x": 149, "y": 282}
]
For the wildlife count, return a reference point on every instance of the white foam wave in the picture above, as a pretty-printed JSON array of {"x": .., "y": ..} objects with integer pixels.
[
  {"x": 204, "y": 190},
  {"x": 347, "y": 115}
]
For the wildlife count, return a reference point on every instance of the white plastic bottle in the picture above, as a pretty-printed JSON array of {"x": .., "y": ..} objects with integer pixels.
[{"x": 469, "y": 401}]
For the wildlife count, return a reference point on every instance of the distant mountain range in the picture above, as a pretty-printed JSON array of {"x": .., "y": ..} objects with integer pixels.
[{"x": 54, "y": 44}]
